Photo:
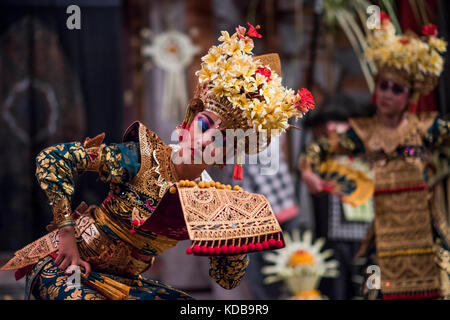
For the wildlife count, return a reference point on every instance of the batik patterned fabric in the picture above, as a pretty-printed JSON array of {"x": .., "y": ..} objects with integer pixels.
[
  {"x": 404, "y": 227},
  {"x": 228, "y": 271},
  {"x": 139, "y": 173},
  {"x": 55, "y": 166},
  {"x": 53, "y": 284}
]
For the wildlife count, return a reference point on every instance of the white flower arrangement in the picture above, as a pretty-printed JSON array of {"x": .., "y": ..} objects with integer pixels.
[{"x": 301, "y": 265}]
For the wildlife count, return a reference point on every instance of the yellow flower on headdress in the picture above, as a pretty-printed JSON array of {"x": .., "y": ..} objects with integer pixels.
[
  {"x": 225, "y": 37},
  {"x": 233, "y": 47},
  {"x": 213, "y": 55},
  {"x": 247, "y": 45},
  {"x": 260, "y": 80},
  {"x": 438, "y": 44},
  {"x": 206, "y": 74}
]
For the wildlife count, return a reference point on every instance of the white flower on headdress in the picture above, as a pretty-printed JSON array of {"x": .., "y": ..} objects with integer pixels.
[
  {"x": 439, "y": 44},
  {"x": 225, "y": 37}
]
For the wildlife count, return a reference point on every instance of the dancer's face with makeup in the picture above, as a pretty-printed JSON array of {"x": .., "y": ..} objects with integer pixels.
[
  {"x": 205, "y": 130},
  {"x": 392, "y": 98}
]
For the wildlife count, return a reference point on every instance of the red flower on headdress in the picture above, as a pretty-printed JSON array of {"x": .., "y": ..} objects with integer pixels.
[
  {"x": 385, "y": 19},
  {"x": 384, "y": 16},
  {"x": 265, "y": 72},
  {"x": 306, "y": 101},
  {"x": 252, "y": 31},
  {"x": 430, "y": 30},
  {"x": 404, "y": 41}
]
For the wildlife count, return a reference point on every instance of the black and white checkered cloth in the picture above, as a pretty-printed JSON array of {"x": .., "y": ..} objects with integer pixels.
[
  {"x": 339, "y": 228},
  {"x": 278, "y": 188}
]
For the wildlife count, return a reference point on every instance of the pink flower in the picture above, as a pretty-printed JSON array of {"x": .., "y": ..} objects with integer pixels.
[
  {"x": 430, "y": 30},
  {"x": 241, "y": 32},
  {"x": 265, "y": 72},
  {"x": 252, "y": 31}
]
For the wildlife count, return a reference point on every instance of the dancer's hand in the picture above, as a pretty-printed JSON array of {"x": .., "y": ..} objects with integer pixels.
[
  {"x": 313, "y": 182},
  {"x": 68, "y": 254}
]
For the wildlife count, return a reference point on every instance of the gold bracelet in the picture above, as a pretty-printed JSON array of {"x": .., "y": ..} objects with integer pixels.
[
  {"x": 63, "y": 217},
  {"x": 65, "y": 223},
  {"x": 61, "y": 210}
]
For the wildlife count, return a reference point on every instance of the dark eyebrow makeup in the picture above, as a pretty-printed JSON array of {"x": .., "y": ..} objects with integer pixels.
[{"x": 209, "y": 119}]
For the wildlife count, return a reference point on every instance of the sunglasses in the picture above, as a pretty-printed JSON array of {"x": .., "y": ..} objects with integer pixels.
[{"x": 394, "y": 87}]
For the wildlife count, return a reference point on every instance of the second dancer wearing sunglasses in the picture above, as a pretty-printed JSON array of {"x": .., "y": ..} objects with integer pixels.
[
  {"x": 395, "y": 88},
  {"x": 407, "y": 236}
]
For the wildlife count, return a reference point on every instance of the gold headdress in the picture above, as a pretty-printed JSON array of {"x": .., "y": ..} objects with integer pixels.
[
  {"x": 246, "y": 91},
  {"x": 407, "y": 59}
]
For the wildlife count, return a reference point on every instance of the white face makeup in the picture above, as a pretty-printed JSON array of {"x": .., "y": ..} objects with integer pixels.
[{"x": 205, "y": 142}]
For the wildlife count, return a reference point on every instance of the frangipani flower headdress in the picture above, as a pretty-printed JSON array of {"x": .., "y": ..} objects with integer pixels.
[
  {"x": 415, "y": 61},
  {"x": 246, "y": 91}
]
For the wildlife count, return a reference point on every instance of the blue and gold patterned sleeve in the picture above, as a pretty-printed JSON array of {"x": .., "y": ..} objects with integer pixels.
[
  {"x": 228, "y": 271},
  {"x": 56, "y": 165},
  {"x": 438, "y": 134}
]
